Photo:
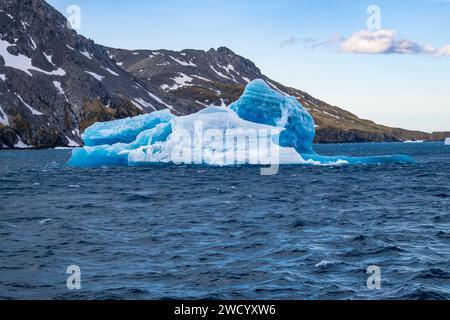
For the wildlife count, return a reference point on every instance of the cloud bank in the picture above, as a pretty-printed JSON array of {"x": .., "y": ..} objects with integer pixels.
[{"x": 382, "y": 41}]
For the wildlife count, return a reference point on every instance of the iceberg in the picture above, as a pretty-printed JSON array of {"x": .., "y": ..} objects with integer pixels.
[
  {"x": 447, "y": 141},
  {"x": 264, "y": 127},
  {"x": 214, "y": 136}
]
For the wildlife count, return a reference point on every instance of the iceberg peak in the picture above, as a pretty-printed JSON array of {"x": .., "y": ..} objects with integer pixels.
[{"x": 261, "y": 104}]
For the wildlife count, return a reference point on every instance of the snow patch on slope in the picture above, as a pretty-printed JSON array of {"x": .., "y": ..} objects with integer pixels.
[
  {"x": 33, "y": 44},
  {"x": 183, "y": 63},
  {"x": 156, "y": 98},
  {"x": 182, "y": 81},
  {"x": 21, "y": 145},
  {"x": 110, "y": 71},
  {"x": 86, "y": 54},
  {"x": 141, "y": 104},
  {"x": 95, "y": 75},
  {"x": 278, "y": 89},
  {"x": 22, "y": 62},
  {"x": 33, "y": 111},
  {"x": 59, "y": 87},
  {"x": 201, "y": 78},
  {"x": 49, "y": 59},
  {"x": 72, "y": 143},
  {"x": 3, "y": 117},
  {"x": 220, "y": 74}
]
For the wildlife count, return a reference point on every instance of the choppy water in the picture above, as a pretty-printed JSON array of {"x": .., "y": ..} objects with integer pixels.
[{"x": 196, "y": 232}]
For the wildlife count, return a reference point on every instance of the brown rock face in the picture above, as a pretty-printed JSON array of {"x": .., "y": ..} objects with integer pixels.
[{"x": 94, "y": 111}]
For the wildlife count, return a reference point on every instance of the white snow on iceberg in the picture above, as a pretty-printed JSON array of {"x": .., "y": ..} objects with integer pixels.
[{"x": 264, "y": 127}]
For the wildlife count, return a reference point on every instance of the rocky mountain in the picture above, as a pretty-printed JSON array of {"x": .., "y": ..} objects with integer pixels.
[
  {"x": 54, "y": 83},
  {"x": 194, "y": 79}
]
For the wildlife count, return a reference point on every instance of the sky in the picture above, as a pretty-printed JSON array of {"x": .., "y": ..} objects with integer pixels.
[{"x": 384, "y": 60}]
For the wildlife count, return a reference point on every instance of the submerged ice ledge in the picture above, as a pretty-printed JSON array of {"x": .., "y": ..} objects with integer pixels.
[{"x": 263, "y": 127}]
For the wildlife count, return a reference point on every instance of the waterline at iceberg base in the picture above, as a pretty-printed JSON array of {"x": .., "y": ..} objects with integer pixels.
[{"x": 264, "y": 127}]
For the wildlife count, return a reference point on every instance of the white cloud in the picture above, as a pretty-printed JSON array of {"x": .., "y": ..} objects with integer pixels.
[
  {"x": 444, "y": 51},
  {"x": 366, "y": 41},
  {"x": 382, "y": 41}
]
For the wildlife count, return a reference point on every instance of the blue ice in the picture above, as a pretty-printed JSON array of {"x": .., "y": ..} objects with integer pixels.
[{"x": 124, "y": 130}]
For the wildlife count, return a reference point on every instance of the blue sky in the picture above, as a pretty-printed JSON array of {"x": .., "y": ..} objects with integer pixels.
[{"x": 390, "y": 86}]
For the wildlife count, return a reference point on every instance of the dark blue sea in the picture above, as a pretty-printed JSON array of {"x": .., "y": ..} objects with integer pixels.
[{"x": 165, "y": 232}]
